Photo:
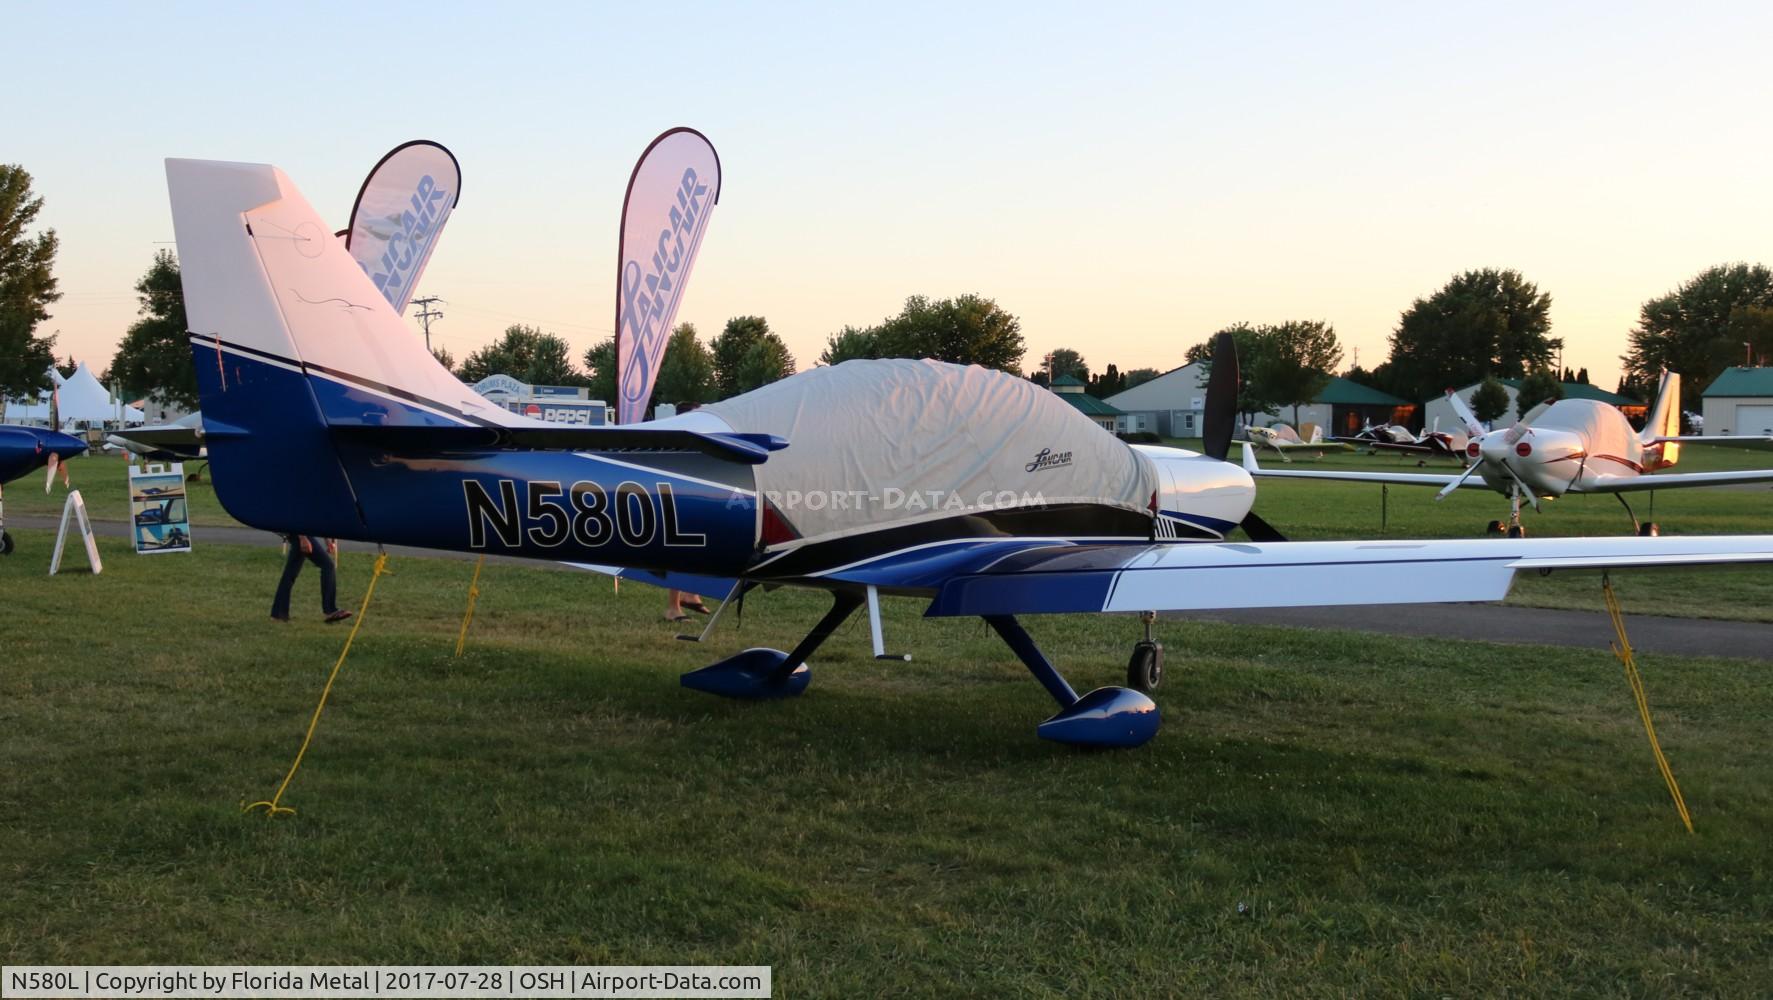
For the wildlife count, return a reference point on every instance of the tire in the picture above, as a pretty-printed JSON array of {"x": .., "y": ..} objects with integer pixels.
[
  {"x": 1516, "y": 531},
  {"x": 5, "y": 544},
  {"x": 1145, "y": 670},
  {"x": 1493, "y": 528},
  {"x": 1650, "y": 529}
]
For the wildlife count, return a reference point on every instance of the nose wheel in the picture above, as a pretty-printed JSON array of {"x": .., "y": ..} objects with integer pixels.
[
  {"x": 1145, "y": 669},
  {"x": 1512, "y": 527},
  {"x": 5, "y": 543}
]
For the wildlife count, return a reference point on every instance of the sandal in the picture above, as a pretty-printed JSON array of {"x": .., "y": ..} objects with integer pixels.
[
  {"x": 338, "y": 616},
  {"x": 698, "y": 607},
  {"x": 677, "y": 619}
]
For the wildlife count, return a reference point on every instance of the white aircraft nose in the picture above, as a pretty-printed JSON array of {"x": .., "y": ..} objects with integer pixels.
[{"x": 1538, "y": 457}]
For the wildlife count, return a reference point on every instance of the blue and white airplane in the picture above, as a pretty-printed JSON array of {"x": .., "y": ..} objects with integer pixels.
[
  {"x": 23, "y": 450},
  {"x": 972, "y": 489}
]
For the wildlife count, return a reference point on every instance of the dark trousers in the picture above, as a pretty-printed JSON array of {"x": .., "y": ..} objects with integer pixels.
[{"x": 329, "y": 578}]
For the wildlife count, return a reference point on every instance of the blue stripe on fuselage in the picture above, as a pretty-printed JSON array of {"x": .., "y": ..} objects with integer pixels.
[{"x": 277, "y": 466}]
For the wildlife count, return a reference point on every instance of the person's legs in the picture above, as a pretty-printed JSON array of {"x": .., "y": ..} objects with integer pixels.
[
  {"x": 292, "y": 565},
  {"x": 329, "y": 577}
]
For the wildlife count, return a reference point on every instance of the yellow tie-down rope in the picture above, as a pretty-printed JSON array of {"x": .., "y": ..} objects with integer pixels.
[
  {"x": 272, "y": 808},
  {"x": 468, "y": 616},
  {"x": 1622, "y": 649}
]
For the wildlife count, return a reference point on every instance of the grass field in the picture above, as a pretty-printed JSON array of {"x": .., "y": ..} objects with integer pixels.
[{"x": 1323, "y": 814}]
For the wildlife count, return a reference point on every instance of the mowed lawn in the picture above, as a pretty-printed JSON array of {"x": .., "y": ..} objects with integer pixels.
[{"x": 1323, "y": 813}]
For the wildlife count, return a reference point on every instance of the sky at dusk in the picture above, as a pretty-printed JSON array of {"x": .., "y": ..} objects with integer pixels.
[{"x": 1125, "y": 179}]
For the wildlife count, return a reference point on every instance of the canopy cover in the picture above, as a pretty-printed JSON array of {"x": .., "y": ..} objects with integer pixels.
[{"x": 880, "y": 443}]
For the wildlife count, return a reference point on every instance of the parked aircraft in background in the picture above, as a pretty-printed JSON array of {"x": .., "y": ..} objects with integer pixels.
[
  {"x": 178, "y": 441},
  {"x": 26, "y": 449},
  {"x": 1570, "y": 446},
  {"x": 975, "y": 490},
  {"x": 1391, "y": 437},
  {"x": 1284, "y": 439}
]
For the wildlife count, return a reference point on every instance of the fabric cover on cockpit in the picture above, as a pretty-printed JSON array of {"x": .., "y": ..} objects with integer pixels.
[{"x": 878, "y": 443}]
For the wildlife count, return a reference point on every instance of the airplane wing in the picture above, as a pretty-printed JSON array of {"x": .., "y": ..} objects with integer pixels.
[
  {"x": 1758, "y": 442},
  {"x": 1382, "y": 445},
  {"x": 1399, "y": 478},
  {"x": 716, "y": 587},
  {"x": 1676, "y": 480},
  {"x": 1199, "y": 576}
]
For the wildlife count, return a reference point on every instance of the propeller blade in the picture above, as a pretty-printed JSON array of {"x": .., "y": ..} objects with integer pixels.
[
  {"x": 49, "y": 471},
  {"x": 1260, "y": 530},
  {"x": 1524, "y": 426},
  {"x": 1455, "y": 484},
  {"x": 1221, "y": 408},
  {"x": 1463, "y": 409}
]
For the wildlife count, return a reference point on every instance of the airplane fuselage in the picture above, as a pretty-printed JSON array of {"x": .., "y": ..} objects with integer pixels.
[{"x": 1576, "y": 446}]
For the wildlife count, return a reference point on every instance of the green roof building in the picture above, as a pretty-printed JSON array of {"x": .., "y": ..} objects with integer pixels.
[
  {"x": 1070, "y": 388},
  {"x": 1739, "y": 401}
]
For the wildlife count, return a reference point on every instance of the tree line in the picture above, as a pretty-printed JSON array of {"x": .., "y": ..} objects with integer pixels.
[{"x": 1482, "y": 324}]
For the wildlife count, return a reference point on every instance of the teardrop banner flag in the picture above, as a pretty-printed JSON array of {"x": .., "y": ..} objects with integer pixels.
[
  {"x": 399, "y": 213},
  {"x": 673, "y": 191}
]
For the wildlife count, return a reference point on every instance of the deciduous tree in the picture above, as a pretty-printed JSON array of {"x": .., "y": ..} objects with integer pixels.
[
  {"x": 968, "y": 330},
  {"x": 154, "y": 358},
  {"x": 1539, "y": 386},
  {"x": 731, "y": 346},
  {"x": 1698, "y": 329},
  {"x": 27, "y": 287},
  {"x": 1490, "y": 401},
  {"x": 1485, "y": 322},
  {"x": 1252, "y": 395},
  {"x": 686, "y": 372},
  {"x": 1065, "y": 361},
  {"x": 527, "y": 354},
  {"x": 1294, "y": 361}
]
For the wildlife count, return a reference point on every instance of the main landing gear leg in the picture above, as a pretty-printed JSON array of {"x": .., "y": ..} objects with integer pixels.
[
  {"x": 1145, "y": 670},
  {"x": 5, "y": 539},
  {"x": 771, "y": 673},
  {"x": 1648, "y": 529},
  {"x": 1106, "y": 717}
]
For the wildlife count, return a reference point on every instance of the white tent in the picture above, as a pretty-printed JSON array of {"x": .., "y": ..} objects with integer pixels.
[{"x": 81, "y": 398}]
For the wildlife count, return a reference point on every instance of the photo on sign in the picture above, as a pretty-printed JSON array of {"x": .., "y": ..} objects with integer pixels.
[{"x": 158, "y": 510}]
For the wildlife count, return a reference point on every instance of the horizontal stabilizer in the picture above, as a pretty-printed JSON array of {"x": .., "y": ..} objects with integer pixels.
[{"x": 747, "y": 449}]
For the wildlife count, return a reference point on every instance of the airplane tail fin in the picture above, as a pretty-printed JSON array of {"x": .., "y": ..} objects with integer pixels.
[
  {"x": 1665, "y": 418},
  {"x": 290, "y": 337}
]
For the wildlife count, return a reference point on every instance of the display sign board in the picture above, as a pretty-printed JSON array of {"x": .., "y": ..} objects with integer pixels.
[
  {"x": 157, "y": 510},
  {"x": 560, "y": 391},
  {"x": 75, "y": 508},
  {"x": 585, "y": 413}
]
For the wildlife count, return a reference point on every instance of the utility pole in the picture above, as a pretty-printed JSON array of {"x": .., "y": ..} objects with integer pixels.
[{"x": 427, "y": 314}]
